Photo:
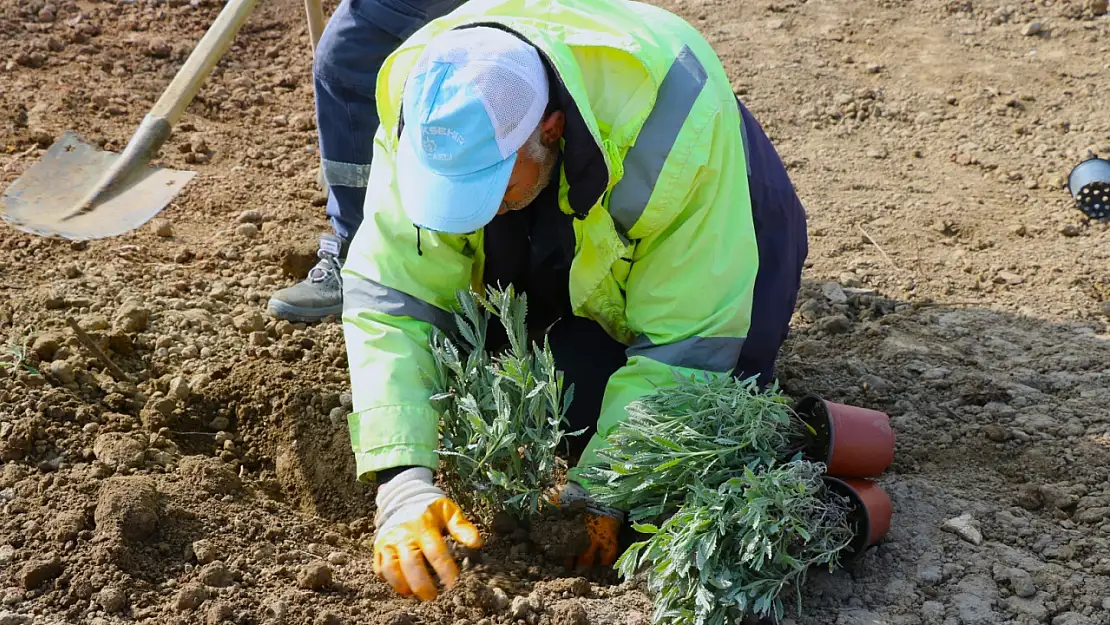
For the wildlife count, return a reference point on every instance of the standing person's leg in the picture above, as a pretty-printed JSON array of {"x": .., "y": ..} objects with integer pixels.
[
  {"x": 360, "y": 34},
  {"x": 780, "y": 231}
]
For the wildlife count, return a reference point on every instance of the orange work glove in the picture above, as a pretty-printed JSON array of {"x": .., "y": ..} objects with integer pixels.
[
  {"x": 603, "y": 525},
  {"x": 412, "y": 517}
]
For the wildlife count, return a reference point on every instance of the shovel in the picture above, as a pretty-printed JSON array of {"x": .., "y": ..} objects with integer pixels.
[{"x": 79, "y": 192}]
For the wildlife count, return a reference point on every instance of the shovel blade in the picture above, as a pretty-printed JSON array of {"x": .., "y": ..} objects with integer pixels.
[{"x": 50, "y": 189}]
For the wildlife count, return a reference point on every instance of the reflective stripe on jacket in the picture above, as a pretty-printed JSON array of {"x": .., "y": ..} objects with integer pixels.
[{"x": 665, "y": 256}]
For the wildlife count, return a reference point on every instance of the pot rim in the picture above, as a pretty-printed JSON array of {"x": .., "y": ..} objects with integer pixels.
[
  {"x": 859, "y": 545},
  {"x": 823, "y": 414}
]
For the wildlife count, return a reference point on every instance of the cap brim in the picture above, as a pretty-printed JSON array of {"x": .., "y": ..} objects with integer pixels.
[{"x": 450, "y": 204}]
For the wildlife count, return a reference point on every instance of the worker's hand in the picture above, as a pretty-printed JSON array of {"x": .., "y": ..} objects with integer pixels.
[
  {"x": 603, "y": 525},
  {"x": 413, "y": 515}
]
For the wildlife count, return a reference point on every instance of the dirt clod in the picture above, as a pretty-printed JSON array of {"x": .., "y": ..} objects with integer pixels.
[
  {"x": 569, "y": 613},
  {"x": 128, "y": 507},
  {"x": 120, "y": 449},
  {"x": 132, "y": 317},
  {"x": 190, "y": 597},
  {"x": 38, "y": 572},
  {"x": 314, "y": 576},
  {"x": 215, "y": 574},
  {"x": 113, "y": 600}
]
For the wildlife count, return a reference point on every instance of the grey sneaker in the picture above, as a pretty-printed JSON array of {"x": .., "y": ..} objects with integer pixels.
[{"x": 320, "y": 294}]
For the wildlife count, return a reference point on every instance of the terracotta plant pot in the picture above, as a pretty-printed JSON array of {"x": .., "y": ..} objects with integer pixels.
[
  {"x": 870, "y": 515},
  {"x": 851, "y": 441}
]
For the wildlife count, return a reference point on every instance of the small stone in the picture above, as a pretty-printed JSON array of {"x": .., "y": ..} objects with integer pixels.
[
  {"x": 1070, "y": 230},
  {"x": 72, "y": 271},
  {"x": 179, "y": 388},
  {"x": 132, "y": 317},
  {"x": 250, "y": 217},
  {"x": 1071, "y": 618},
  {"x": 218, "y": 613},
  {"x": 932, "y": 612},
  {"x": 404, "y": 618},
  {"x": 112, "y": 600},
  {"x": 835, "y": 324},
  {"x": 1097, "y": 7},
  {"x": 929, "y": 574},
  {"x": 250, "y": 322},
  {"x": 570, "y": 613},
  {"x": 995, "y": 433},
  {"x": 1022, "y": 583},
  {"x": 314, "y": 576},
  {"x": 498, "y": 599},
  {"x": 964, "y": 527},
  {"x": 874, "y": 68},
  {"x": 875, "y": 383},
  {"x": 1007, "y": 277},
  {"x": 191, "y": 596},
  {"x": 248, "y": 230},
  {"x": 328, "y": 618},
  {"x": 11, "y": 618},
  {"x": 37, "y": 572},
  {"x": 162, "y": 228},
  {"x": 520, "y": 608},
  {"x": 215, "y": 574},
  {"x": 62, "y": 371},
  {"x": 337, "y": 558},
  {"x": 67, "y": 525},
  {"x": 1032, "y": 28},
  {"x": 205, "y": 551},
  {"x": 159, "y": 49},
  {"x": 834, "y": 293},
  {"x": 46, "y": 346},
  {"x": 338, "y": 417},
  {"x": 120, "y": 449},
  {"x": 259, "y": 339}
]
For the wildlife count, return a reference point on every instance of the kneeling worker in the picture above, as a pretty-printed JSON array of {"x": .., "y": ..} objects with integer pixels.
[{"x": 592, "y": 154}]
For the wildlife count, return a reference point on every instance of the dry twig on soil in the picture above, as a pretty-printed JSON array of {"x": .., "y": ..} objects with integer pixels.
[{"x": 90, "y": 345}]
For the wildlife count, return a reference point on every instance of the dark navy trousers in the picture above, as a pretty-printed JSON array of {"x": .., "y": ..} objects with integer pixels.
[{"x": 360, "y": 34}]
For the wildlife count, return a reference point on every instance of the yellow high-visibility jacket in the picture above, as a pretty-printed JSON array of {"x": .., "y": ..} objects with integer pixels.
[{"x": 653, "y": 167}]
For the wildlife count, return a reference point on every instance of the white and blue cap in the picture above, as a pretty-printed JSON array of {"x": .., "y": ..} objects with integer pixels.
[{"x": 471, "y": 101}]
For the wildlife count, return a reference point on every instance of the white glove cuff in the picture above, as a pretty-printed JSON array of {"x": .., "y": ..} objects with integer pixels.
[{"x": 405, "y": 497}]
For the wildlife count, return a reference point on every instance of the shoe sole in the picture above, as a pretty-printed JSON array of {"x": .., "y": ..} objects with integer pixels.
[{"x": 289, "y": 312}]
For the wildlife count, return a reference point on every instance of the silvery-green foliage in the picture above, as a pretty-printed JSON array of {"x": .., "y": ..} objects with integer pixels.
[
  {"x": 503, "y": 415},
  {"x": 703, "y": 430},
  {"x": 731, "y": 550}
]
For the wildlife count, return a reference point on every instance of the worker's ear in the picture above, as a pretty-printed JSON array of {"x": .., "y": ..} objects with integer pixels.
[{"x": 551, "y": 128}]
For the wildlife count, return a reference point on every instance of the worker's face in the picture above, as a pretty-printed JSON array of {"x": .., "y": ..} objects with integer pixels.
[{"x": 532, "y": 172}]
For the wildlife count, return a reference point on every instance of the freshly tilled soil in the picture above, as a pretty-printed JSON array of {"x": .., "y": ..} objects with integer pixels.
[{"x": 951, "y": 283}]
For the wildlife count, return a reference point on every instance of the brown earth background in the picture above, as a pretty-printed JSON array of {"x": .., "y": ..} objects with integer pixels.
[{"x": 951, "y": 283}]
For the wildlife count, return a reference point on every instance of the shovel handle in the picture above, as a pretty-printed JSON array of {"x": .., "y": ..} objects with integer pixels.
[
  {"x": 155, "y": 127},
  {"x": 180, "y": 93},
  {"x": 315, "y": 11}
]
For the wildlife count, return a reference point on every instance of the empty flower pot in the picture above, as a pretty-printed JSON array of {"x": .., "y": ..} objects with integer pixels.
[
  {"x": 870, "y": 514},
  {"x": 1089, "y": 183},
  {"x": 851, "y": 441}
]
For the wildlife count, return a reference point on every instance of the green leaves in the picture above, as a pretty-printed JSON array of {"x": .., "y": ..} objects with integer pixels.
[
  {"x": 502, "y": 415},
  {"x": 730, "y": 527},
  {"x": 701, "y": 429},
  {"x": 731, "y": 550}
]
